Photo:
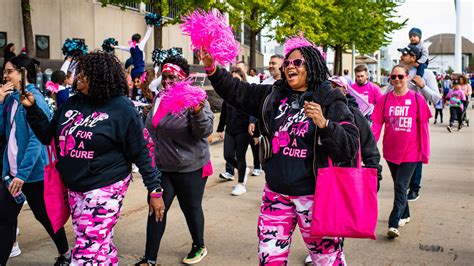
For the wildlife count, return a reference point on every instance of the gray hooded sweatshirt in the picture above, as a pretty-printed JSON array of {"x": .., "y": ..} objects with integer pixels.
[{"x": 181, "y": 143}]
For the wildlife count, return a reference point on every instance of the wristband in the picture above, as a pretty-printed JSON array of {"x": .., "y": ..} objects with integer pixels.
[{"x": 156, "y": 195}]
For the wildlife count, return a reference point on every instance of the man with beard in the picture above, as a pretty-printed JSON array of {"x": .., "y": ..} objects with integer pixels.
[{"x": 365, "y": 87}]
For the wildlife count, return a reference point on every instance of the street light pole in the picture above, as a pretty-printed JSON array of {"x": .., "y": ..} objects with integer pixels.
[{"x": 458, "y": 39}]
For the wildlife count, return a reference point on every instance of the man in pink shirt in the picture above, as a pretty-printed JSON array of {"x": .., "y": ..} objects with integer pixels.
[{"x": 364, "y": 87}]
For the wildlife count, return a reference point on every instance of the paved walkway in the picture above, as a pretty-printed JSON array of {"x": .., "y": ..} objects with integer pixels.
[{"x": 440, "y": 233}]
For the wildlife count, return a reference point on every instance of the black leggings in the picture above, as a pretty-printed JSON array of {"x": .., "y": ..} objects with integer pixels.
[
  {"x": 235, "y": 148},
  {"x": 440, "y": 112},
  {"x": 9, "y": 211},
  {"x": 189, "y": 188},
  {"x": 455, "y": 114},
  {"x": 255, "y": 153}
]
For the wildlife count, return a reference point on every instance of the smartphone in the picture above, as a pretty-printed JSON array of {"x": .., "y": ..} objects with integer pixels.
[{"x": 23, "y": 81}]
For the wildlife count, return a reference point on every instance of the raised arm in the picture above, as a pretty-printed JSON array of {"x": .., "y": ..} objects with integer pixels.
[
  {"x": 242, "y": 95},
  {"x": 142, "y": 44}
]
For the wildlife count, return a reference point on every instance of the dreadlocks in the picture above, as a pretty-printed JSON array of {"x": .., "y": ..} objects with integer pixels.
[{"x": 315, "y": 66}]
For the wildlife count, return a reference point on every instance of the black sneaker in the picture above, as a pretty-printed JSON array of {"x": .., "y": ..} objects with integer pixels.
[
  {"x": 62, "y": 261},
  {"x": 144, "y": 262},
  {"x": 449, "y": 129},
  {"x": 413, "y": 195},
  {"x": 195, "y": 255}
]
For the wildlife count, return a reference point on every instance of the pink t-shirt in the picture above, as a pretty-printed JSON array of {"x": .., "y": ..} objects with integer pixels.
[
  {"x": 402, "y": 140},
  {"x": 370, "y": 91}
]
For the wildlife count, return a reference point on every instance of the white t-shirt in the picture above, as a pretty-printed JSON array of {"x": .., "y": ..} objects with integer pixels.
[
  {"x": 253, "y": 80},
  {"x": 268, "y": 81}
]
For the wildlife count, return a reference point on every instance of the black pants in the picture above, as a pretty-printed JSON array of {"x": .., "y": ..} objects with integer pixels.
[
  {"x": 189, "y": 188},
  {"x": 401, "y": 175},
  {"x": 235, "y": 148},
  {"x": 255, "y": 153},
  {"x": 415, "y": 182},
  {"x": 464, "y": 112},
  {"x": 440, "y": 112},
  {"x": 455, "y": 114},
  {"x": 9, "y": 211}
]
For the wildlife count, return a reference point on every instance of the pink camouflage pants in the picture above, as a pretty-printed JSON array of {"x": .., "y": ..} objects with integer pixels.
[
  {"x": 94, "y": 215},
  {"x": 279, "y": 215}
]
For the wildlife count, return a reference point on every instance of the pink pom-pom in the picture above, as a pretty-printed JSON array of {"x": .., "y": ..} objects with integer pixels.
[
  {"x": 209, "y": 31},
  {"x": 182, "y": 96},
  {"x": 298, "y": 42}
]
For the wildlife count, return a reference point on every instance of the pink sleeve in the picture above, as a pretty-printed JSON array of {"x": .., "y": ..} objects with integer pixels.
[
  {"x": 377, "y": 119},
  {"x": 463, "y": 96},
  {"x": 377, "y": 92}
]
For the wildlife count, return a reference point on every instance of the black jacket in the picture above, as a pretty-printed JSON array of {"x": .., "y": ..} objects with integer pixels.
[
  {"x": 262, "y": 101},
  {"x": 232, "y": 120},
  {"x": 96, "y": 143},
  {"x": 369, "y": 151}
]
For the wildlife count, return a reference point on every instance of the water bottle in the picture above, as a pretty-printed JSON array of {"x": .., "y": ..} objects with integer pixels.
[{"x": 20, "y": 198}]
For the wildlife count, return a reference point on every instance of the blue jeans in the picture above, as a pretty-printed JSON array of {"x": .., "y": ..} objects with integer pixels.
[
  {"x": 420, "y": 70},
  {"x": 415, "y": 183},
  {"x": 401, "y": 175}
]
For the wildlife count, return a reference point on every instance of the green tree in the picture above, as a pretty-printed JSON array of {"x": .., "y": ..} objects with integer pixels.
[
  {"x": 340, "y": 23},
  {"x": 256, "y": 14}
]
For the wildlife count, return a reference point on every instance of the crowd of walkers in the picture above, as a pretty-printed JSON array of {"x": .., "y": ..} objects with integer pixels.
[{"x": 104, "y": 120}]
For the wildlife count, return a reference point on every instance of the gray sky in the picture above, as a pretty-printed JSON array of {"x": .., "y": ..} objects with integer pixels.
[{"x": 432, "y": 17}]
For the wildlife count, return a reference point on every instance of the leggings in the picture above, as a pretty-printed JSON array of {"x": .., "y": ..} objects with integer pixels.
[
  {"x": 94, "y": 216},
  {"x": 279, "y": 215},
  {"x": 9, "y": 211},
  {"x": 255, "y": 152},
  {"x": 440, "y": 112},
  {"x": 189, "y": 188},
  {"x": 401, "y": 175},
  {"x": 235, "y": 148},
  {"x": 455, "y": 114}
]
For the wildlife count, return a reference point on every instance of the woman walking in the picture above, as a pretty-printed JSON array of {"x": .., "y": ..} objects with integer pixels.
[
  {"x": 181, "y": 151},
  {"x": 98, "y": 135},
  {"x": 300, "y": 116},
  {"x": 236, "y": 139},
  {"x": 404, "y": 115},
  {"x": 24, "y": 159}
]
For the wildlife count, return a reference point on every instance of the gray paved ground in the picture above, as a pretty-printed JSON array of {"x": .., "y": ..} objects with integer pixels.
[{"x": 440, "y": 233}]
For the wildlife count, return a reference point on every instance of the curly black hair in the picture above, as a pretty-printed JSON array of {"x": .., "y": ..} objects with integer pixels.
[
  {"x": 315, "y": 65},
  {"x": 105, "y": 74},
  {"x": 179, "y": 61}
]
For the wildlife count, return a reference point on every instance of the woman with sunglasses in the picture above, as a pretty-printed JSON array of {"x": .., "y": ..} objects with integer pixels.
[
  {"x": 181, "y": 150},
  {"x": 98, "y": 135},
  {"x": 300, "y": 116},
  {"x": 24, "y": 159},
  {"x": 404, "y": 115}
]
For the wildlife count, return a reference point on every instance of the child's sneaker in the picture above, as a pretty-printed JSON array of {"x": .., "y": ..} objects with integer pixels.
[
  {"x": 195, "y": 255},
  {"x": 393, "y": 232}
]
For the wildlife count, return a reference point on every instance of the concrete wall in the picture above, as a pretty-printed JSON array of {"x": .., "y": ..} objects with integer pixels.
[{"x": 88, "y": 20}]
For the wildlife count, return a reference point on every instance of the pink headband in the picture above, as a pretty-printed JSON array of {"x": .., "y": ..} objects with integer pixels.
[
  {"x": 175, "y": 70},
  {"x": 298, "y": 42}
]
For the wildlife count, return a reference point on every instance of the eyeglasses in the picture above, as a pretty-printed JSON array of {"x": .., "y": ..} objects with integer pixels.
[
  {"x": 399, "y": 76},
  {"x": 298, "y": 62}
]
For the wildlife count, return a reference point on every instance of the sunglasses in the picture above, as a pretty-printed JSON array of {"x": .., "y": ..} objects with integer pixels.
[
  {"x": 399, "y": 76},
  {"x": 298, "y": 62}
]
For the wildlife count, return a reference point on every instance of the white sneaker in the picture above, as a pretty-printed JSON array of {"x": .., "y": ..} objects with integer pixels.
[
  {"x": 17, "y": 231},
  {"x": 403, "y": 222},
  {"x": 134, "y": 168},
  {"x": 238, "y": 190},
  {"x": 226, "y": 176},
  {"x": 256, "y": 172},
  {"x": 16, "y": 251},
  {"x": 393, "y": 232},
  {"x": 308, "y": 260}
]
